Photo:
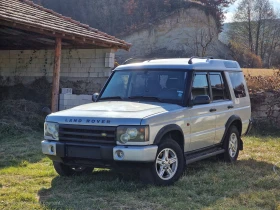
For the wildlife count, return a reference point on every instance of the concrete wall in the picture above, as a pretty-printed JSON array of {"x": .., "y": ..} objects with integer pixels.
[
  {"x": 84, "y": 70},
  {"x": 67, "y": 101}
]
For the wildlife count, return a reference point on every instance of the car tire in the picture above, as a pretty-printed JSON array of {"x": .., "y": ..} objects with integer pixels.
[
  {"x": 65, "y": 170},
  {"x": 163, "y": 171},
  {"x": 231, "y": 145}
]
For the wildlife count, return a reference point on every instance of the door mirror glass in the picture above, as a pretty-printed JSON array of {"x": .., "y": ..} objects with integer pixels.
[
  {"x": 95, "y": 97},
  {"x": 201, "y": 99}
]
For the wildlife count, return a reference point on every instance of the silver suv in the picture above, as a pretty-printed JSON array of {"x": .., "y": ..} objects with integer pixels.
[{"x": 157, "y": 116}]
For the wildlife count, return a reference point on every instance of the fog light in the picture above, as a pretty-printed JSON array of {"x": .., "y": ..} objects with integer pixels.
[{"x": 120, "y": 154}]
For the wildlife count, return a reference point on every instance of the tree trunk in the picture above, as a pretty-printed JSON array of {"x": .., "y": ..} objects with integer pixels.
[
  {"x": 250, "y": 29},
  {"x": 258, "y": 34}
]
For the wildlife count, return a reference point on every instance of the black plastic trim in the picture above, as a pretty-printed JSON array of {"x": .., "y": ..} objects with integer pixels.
[
  {"x": 165, "y": 130},
  {"x": 249, "y": 127},
  {"x": 201, "y": 156},
  {"x": 105, "y": 85},
  {"x": 188, "y": 100},
  {"x": 106, "y": 151},
  {"x": 203, "y": 149},
  {"x": 85, "y": 133},
  {"x": 241, "y": 144},
  {"x": 229, "y": 123}
]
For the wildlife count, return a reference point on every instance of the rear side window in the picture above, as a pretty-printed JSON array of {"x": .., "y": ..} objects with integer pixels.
[
  {"x": 218, "y": 88},
  {"x": 200, "y": 85},
  {"x": 238, "y": 84}
]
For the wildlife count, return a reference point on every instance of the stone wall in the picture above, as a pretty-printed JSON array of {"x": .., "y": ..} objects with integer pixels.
[
  {"x": 83, "y": 70},
  {"x": 266, "y": 107}
]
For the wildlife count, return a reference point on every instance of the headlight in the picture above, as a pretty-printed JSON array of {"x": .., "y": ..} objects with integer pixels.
[
  {"x": 132, "y": 134},
  {"x": 51, "y": 131}
]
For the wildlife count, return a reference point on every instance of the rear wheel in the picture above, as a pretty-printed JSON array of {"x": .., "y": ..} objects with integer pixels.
[
  {"x": 65, "y": 170},
  {"x": 168, "y": 165},
  {"x": 231, "y": 145}
]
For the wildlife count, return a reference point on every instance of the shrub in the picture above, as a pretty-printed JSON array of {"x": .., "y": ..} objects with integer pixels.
[{"x": 265, "y": 99}]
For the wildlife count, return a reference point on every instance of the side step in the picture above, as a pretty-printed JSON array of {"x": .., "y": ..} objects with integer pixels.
[{"x": 203, "y": 155}]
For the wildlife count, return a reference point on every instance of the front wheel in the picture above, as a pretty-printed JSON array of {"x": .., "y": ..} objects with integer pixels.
[
  {"x": 65, "y": 170},
  {"x": 168, "y": 165}
]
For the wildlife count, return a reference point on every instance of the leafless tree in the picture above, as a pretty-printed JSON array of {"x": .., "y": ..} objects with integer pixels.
[
  {"x": 201, "y": 38},
  {"x": 256, "y": 29}
]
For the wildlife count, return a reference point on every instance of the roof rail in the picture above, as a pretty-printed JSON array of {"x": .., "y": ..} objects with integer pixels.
[
  {"x": 208, "y": 57},
  {"x": 133, "y": 60}
]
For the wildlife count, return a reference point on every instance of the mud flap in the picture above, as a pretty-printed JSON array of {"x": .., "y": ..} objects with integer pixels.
[{"x": 241, "y": 144}]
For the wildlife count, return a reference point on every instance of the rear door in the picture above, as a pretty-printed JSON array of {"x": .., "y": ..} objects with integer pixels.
[
  {"x": 203, "y": 119},
  {"x": 221, "y": 101}
]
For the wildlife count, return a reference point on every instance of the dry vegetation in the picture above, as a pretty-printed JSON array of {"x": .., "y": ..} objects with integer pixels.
[
  {"x": 264, "y": 88},
  {"x": 262, "y": 79},
  {"x": 258, "y": 72},
  {"x": 20, "y": 116}
]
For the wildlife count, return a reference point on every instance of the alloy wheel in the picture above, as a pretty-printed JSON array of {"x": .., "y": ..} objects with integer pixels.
[{"x": 166, "y": 164}]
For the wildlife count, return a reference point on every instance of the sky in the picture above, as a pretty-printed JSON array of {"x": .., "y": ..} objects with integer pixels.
[{"x": 232, "y": 9}]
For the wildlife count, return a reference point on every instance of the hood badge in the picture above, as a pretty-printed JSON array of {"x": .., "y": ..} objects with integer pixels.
[
  {"x": 104, "y": 134},
  {"x": 75, "y": 120}
]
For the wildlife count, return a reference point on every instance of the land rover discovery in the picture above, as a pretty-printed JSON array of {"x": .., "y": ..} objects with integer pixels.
[{"x": 158, "y": 116}]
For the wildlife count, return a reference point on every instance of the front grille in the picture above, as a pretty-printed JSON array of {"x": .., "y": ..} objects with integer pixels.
[{"x": 86, "y": 133}]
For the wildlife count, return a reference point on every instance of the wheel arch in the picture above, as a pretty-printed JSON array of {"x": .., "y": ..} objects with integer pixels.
[
  {"x": 236, "y": 121},
  {"x": 175, "y": 132}
]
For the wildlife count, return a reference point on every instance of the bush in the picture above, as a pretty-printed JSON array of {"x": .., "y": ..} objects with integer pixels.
[
  {"x": 245, "y": 58},
  {"x": 265, "y": 100}
]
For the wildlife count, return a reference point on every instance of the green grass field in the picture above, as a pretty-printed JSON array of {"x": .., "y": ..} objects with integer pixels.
[{"x": 28, "y": 181}]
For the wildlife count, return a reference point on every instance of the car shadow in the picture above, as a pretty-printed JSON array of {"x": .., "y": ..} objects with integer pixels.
[{"x": 104, "y": 189}]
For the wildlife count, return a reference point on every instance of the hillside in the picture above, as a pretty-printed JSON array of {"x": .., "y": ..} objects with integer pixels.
[
  {"x": 116, "y": 17},
  {"x": 183, "y": 33},
  {"x": 156, "y": 28}
]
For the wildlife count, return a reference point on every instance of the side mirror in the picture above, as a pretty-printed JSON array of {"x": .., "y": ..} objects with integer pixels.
[
  {"x": 202, "y": 99},
  {"x": 95, "y": 97}
]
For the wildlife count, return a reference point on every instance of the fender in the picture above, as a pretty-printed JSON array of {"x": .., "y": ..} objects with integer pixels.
[
  {"x": 164, "y": 130},
  {"x": 228, "y": 124}
]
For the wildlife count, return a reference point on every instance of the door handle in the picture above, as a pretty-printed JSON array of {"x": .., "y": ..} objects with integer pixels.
[
  {"x": 213, "y": 110},
  {"x": 230, "y": 107}
]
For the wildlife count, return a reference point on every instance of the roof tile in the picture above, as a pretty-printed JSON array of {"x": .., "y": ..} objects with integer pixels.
[{"x": 28, "y": 13}]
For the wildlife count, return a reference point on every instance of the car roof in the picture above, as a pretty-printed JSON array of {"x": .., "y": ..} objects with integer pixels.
[{"x": 184, "y": 63}]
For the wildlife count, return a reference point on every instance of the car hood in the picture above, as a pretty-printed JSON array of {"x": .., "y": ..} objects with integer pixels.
[{"x": 110, "y": 113}]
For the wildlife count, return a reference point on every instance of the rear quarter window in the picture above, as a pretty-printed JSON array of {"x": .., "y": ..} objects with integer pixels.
[{"x": 238, "y": 84}]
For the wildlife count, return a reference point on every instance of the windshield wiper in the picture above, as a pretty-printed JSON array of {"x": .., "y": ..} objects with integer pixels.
[
  {"x": 112, "y": 97},
  {"x": 145, "y": 97}
]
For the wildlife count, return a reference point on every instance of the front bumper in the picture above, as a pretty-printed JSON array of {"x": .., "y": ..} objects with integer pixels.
[{"x": 60, "y": 150}]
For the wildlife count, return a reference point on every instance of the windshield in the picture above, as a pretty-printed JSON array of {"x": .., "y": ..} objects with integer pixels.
[{"x": 165, "y": 86}]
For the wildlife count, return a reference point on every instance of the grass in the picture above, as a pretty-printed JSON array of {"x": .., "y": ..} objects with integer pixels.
[{"x": 28, "y": 181}]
